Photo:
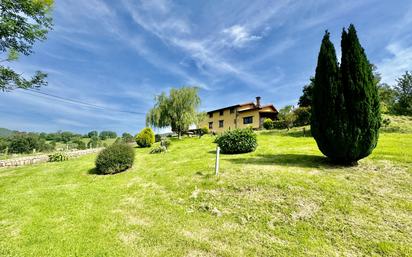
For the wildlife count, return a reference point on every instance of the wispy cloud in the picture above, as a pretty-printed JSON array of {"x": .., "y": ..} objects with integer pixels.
[
  {"x": 400, "y": 61},
  {"x": 120, "y": 54},
  {"x": 239, "y": 36}
]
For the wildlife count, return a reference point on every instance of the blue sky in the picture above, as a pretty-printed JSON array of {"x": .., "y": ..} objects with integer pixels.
[{"x": 120, "y": 54}]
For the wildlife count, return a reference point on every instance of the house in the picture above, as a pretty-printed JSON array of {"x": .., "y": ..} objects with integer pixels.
[{"x": 244, "y": 115}]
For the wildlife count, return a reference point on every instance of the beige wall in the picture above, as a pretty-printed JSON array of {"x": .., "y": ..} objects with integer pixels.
[{"x": 229, "y": 120}]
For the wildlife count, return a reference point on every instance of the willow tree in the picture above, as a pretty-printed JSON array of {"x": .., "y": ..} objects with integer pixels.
[
  {"x": 345, "y": 108},
  {"x": 178, "y": 110},
  {"x": 22, "y": 23}
]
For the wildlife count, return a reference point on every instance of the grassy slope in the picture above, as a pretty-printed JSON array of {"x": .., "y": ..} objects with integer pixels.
[{"x": 284, "y": 199}]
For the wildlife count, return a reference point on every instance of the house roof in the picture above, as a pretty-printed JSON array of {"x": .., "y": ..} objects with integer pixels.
[
  {"x": 260, "y": 108},
  {"x": 252, "y": 106}
]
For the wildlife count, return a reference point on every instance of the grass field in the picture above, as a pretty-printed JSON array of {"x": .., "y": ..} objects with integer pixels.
[{"x": 285, "y": 199}]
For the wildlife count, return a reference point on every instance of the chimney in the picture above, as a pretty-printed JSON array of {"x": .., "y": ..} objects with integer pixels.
[{"x": 258, "y": 101}]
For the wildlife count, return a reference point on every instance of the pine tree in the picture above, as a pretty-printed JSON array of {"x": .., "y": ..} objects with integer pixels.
[{"x": 345, "y": 109}]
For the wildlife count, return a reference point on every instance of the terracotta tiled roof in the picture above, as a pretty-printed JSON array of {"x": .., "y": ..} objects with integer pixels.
[{"x": 253, "y": 107}]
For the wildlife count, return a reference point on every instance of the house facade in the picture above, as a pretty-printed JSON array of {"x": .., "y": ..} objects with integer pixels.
[{"x": 250, "y": 114}]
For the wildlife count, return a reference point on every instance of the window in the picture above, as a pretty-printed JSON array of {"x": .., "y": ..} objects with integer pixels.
[
  {"x": 210, "y": 125},
  {"x": 220, "y": 123},
  {"x": 248, "y": 120},
  {"x": 232, "y": 110},
  {"x": 211, "y": 115},
  {"x": 221, "y": 112}
]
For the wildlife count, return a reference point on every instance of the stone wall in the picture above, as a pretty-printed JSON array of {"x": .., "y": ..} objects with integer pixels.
[{"x": 15, "y": 162}]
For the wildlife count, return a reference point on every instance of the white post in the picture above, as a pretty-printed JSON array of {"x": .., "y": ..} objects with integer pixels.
[{"x": 217, "y": 160}]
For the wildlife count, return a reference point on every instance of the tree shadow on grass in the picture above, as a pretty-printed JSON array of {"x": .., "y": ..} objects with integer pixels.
[
  {"x": 291, "y": 160},
  {"x": 93, "y": 171}
]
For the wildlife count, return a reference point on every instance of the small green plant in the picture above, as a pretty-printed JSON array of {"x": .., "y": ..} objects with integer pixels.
[
  {"x": 158, "y": 149},
  {"x": 165, "y": 142},
  {"x": 237, "y": 141},
  {"x": 145, "y": 138},
  {"x": 114, "y": 159},
  {"x": 58, "y": 157},
  {"x": 268, "y": 124}
]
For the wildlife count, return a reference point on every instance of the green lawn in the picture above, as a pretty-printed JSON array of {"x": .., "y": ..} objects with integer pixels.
[{"x": 284, "y": 199}]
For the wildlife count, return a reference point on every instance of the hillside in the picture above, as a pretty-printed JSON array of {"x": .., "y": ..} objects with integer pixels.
[
  {"x": 5, "y": 132},
  {"x": 285, "y": 199}
]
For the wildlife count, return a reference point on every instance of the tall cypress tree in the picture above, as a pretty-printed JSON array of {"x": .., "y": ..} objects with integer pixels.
[
  {"x": 345, "y": 108},
  {"x": 325, "y": 125},
  {"x": 362, "y": 99}
]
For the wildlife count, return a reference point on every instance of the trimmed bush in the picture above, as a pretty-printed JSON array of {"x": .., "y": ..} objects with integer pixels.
[
  {"x": 159, "y": 149},
  {"x": 145, "y": 138},
  {"x": 268, "y": 124},
  {"x": 58, "y": 157},
  {"x": 114, "y": 159},
  {"x": 279, "y": 124},
  {"x": 237, "y": 141}
]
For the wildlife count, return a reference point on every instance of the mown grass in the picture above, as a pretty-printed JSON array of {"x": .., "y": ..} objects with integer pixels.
[{"x": 285, "y": 199}]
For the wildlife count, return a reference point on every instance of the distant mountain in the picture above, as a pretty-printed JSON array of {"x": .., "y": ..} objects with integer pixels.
[{"x": 5, "y": 132}]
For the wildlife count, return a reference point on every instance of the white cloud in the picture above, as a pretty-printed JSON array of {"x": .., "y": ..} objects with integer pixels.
[
  {"x": 162, "y": 6},
  {"x": 71, "y": 123},
  {"x": 239, "y": 35},
  {"x": 393, "y": 67}
]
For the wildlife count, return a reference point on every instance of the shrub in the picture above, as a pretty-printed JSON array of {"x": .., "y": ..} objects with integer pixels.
[
  {"x": 165, "y": 142},
  {"x": 237, "y": 141},
  {"x": 114, "y": 159},
  {"x": 268, "y": 124},
  {"x": 302, "y": 116},
  {"x": 58, "y": 157},
  {"x": 26, "y": 143},
  {"x": 93, "y": 133},
  {"x": 119, "y": 140},
  {"x": 158, "y": 138},
  {"x": 80, "y": 144},
  {"x": 127, "y": 138},
  {"x": 204, "y": 131},
  {"x": 159, "y": 149},
  {"x": 279, "y": 124},
  {"x": 145, "y": 138},
  {"x": 94, "y": 142}
]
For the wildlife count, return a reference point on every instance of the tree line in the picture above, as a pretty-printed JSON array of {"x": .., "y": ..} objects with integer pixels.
[
  {"x": 29, "y": 142},
  {"x": 394, "y": 99}
]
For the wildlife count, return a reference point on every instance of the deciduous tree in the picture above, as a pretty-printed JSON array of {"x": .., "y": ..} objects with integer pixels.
[
  {"x": 177, "y": 110},
  {"x": 403, "y": 95},
  {"x": 22, "y": 23}
]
